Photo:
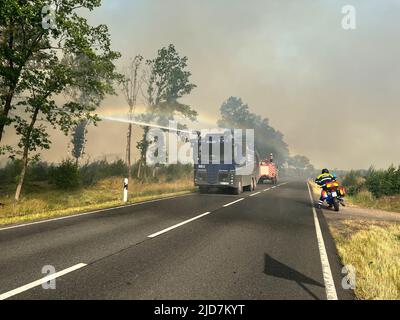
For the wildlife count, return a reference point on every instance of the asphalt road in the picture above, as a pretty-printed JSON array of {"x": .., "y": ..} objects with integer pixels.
[{"x": 263, "y": 246}]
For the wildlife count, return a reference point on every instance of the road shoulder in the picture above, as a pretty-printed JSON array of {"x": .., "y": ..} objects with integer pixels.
[{"x": 368, "y": 242}]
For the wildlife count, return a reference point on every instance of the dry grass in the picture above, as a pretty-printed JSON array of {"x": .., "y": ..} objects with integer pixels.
[
  {"x": 42, "y": 201},
  {"x": 365, "y": 199},
  {"x": 373, "y": 249}
]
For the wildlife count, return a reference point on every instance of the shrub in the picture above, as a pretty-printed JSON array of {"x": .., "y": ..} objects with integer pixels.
[
  {"x": 176, "y": 171},
  {"x": 354, "y": 182},
  {"x": 92, "y": 172},
  {"x": 38, "y": 171},
  {"x": 11, "y": 171},
  {"x": 66, "y": 175},
  {"x": 383, "y": 182}
]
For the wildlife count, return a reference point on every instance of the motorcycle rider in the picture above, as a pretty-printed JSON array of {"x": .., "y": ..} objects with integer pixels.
[{"x": 324, "y": 178}]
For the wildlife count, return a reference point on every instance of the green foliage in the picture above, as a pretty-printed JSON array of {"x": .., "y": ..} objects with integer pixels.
[
  {"x": 383, "y": 182},
  {"x": 66, "y": 175},
  {"x": 175, "y": 171},
  {"x": 39, "y": 64},
  {"x": 354, "y": 182},
  {"x": 45, "y": 62},
  {"x": 236, "y": 114},
  {"x": 78, "y": 139},
  {"x": 39, "y": 171},
  {"x": 10, "y": 172},
  {"x": 168, "y": 82},
  {"x": 90, "y": 173},
  {"x": 378, "y": 182}
]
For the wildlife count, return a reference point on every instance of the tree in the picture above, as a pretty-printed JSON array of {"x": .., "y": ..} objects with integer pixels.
[
  {"x": 78, "y": 140},
  {"x": 299, "y": 162},
  {"x": 236, "y": 114},
  {"x": 40, "y": 62},
  {"x": 167, "y": 81},
  {"x": 25, "y": 35},
  {"x": 131, "y": 86}
]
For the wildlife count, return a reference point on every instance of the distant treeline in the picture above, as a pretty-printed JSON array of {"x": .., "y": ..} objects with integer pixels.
[{"x": 67, "y": 175}]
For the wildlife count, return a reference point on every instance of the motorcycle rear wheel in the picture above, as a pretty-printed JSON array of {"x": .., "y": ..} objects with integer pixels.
[{"x": 336, "y": 204}]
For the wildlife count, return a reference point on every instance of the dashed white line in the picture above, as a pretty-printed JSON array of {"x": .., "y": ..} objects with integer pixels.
[
  {"x": 267, "y": 189},
  {"x": 40, "y": 281},
  {"x": 231, "y": 203},
  {"x": 253, "y": 194},
  {"x": 177, "y": 225},
  {"x": 189, "y": 220},
  {"x": 326, "y": 268}
]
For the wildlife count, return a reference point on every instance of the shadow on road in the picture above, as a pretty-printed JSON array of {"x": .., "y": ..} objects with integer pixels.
[{"x": 277, "y": 269}]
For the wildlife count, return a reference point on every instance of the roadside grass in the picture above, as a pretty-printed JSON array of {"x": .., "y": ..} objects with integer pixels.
[
  {"x": 41, "y": 201},
  {"x": 373, "y": 249},
  {"x": 365, "y": 199}
]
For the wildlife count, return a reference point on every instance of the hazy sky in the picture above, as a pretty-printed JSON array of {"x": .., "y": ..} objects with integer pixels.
[{"x": 333, "y": 93}]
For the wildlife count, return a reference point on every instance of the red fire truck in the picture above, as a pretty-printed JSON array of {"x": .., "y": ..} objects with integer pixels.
[{"x": 268, "y": 171}]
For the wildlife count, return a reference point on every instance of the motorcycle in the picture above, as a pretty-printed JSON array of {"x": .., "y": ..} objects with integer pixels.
[{"x": 334, "y": 195}]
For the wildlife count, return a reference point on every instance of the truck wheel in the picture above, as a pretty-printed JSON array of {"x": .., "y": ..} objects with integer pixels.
[
  {"x": 203, "y": 189},
  {"x": 253, "y": 185},
  {"x": 239, "y": 189}
]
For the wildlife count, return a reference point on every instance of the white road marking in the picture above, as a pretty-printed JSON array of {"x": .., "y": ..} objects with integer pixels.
[
  {"x": 41, "y": 281},
  {"x": 177, "y": 225},
  {"x": 273, "y": 187},
  {"x": 267, "y": 189},
  {"x": 253, "y": 194},
  {"x": 326, "y": 268},
  {"x": 88, "y": 213},
  {"x": 231, "y": 203}
]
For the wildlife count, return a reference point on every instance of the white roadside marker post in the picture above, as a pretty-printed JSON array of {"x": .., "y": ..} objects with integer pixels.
[{"x": 126, "y": 190}]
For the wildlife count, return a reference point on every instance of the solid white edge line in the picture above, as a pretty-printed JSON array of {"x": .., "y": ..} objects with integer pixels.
[
  {"x": 41, "y": 281},
  {"x": 177, "y": 225},
  {"x": 90, "y": 212},
  {"x": 231, "y": 203},
  {"x": 254, "y": 194},
  {"x": 326, "y": 268}
]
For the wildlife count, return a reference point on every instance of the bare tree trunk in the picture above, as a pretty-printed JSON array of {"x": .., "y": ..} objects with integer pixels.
[
  {"x": 138, "y": 170},
  {"x": 4, "y": 113},
  {"x": 128, "y": 150},
  {"x": 25, "y": 156},
  {"x": 131, "y": 89},
  {"x": 22, "y": 175}
]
